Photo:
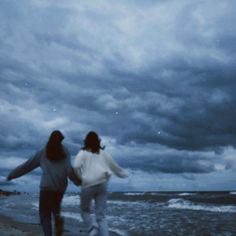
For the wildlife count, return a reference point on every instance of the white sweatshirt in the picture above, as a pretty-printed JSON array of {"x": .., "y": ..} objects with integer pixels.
[{"x": 93, "y": 168}]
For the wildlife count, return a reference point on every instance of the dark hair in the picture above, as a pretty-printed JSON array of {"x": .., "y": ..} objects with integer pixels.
[
  {"x": 92, "y": 142},
  {"x": 54, "y": 148}
]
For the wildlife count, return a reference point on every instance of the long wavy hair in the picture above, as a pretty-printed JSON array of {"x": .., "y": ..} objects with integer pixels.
[
  {"x": 54, "y": 148},
  {"x": 92, "y": 143}
]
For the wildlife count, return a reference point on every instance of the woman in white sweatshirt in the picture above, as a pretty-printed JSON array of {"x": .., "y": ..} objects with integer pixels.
[{"x": 94, "y": 167}]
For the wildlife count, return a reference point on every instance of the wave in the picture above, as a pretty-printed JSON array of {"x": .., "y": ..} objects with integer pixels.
[
  {"x": 67, "y": 201},
  {"x": 72, "y": 215},
  {"x": 233, "y": 193},
  {"x": 134, "y": 194},
  {"x": 118, "y": 232},
  {"x": 179, "y": 203},
  {"x": 71, "y": 200},
  {"x": 35, "y": 205},
  {"x": 78, "y": 218},
  {"x": 124, "y": 204},
  {"x": 143, "y": 193},
  {"x": 186, "y": 194}
]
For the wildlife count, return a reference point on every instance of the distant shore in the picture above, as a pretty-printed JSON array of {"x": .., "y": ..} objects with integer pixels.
[{"x": 8, "y": 193}]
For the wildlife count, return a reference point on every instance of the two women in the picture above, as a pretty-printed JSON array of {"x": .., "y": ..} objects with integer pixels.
[{"x": 93, "y": 166}]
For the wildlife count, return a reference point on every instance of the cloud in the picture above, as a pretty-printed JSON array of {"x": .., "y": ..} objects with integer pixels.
[
  {"x": 158, "y": 159},
  {"x": 144, "y": 75}
]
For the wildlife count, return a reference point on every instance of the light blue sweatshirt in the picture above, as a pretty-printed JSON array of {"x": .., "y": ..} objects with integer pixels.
[{"x": 54, "y": 174}]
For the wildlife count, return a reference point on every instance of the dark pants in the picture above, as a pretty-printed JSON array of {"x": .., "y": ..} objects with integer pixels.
[{"x": 50, "y": 204}]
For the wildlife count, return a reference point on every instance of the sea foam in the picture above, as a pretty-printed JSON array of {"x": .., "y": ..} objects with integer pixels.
[
  {"x": 179, "y": 203},
  {"x": 134, "y": 193},
  {"x": 186, "y": 194},
  {"x": 72, "y": 215},
  {"x": 71, "y": 200}
]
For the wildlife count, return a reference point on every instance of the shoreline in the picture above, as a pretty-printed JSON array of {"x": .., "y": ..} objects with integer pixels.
[{"x": 10, "y": 227}]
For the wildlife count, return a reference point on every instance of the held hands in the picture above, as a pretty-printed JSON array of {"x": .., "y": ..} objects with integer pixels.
[{"x": 77, "y": 182}]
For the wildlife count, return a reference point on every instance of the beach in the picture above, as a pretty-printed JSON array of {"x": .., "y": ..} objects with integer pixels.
[
  {"x": 131, "y": 214},
  {"x": 10, "y": 227}
]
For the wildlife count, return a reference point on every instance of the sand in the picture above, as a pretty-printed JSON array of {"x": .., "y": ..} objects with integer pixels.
[{"x": 10, "y": 227}]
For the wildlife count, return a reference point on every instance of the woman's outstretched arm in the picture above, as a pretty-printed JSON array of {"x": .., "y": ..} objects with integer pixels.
[
  {"x": 116, "y": 169},
  {"x": 26, "y": 167}
]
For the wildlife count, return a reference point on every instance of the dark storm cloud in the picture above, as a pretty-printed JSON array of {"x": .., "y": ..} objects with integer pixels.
[
  {"x": 174, "y": 164},
  {"x": 155, "y": 73},
  {"x": 201, "y": 117}
]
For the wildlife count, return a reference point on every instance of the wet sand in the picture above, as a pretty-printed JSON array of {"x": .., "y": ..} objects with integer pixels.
[{"x": 10, "y": 227}]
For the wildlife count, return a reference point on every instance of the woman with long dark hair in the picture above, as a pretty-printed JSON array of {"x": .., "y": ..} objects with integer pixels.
[
  {"x": 94, "y": 167},
  {"x": 54, "y": 160}
]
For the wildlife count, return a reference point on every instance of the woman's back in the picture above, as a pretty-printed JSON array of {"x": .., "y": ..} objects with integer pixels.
[
  {"x": 92, "y": 167},
  {"x": 54, "y": 174},
  {"x": 95, "y": 168}
]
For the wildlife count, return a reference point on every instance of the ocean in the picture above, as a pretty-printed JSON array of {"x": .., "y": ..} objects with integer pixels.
[{"x": 142, "y": 213}]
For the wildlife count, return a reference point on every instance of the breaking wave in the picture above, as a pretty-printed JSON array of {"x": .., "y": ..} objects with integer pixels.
[{"x": 179, "y": 203}]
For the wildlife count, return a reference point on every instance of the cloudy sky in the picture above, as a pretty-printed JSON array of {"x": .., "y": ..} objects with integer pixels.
[{"x": 156, "y": 80}]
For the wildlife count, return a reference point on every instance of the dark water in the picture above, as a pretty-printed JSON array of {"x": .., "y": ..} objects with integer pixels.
[{"x": 149, "y": 213}]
